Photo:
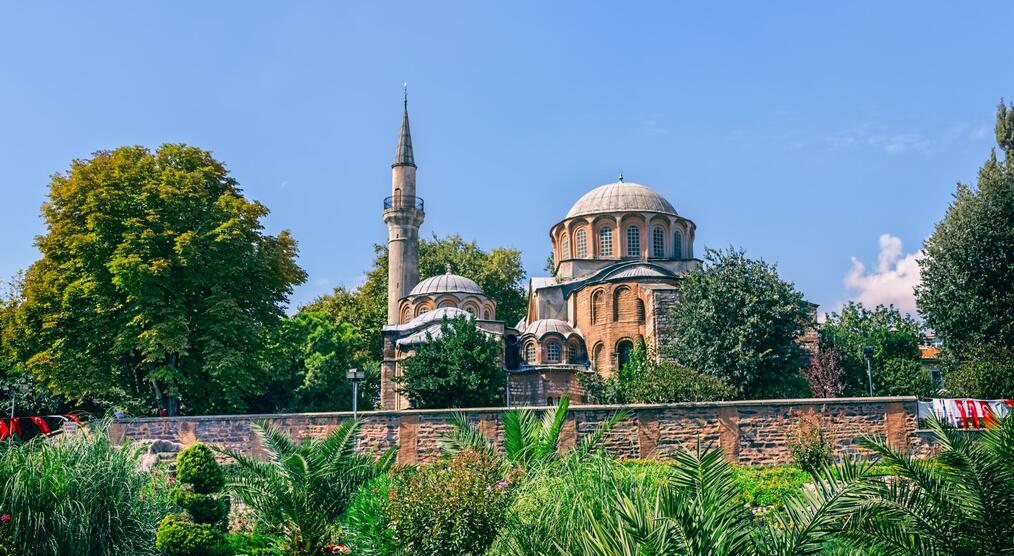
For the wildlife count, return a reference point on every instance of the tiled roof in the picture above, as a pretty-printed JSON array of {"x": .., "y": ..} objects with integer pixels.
[{"x": 621, "y": 197}]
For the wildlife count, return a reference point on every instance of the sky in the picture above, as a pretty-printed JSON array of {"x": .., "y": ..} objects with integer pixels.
[{"x": 824, "y": 137}]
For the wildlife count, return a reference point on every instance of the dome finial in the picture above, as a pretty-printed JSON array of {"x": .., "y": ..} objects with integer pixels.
[
  {"x": 621, "y": 175},
  {"x": 447, "y": 267}
]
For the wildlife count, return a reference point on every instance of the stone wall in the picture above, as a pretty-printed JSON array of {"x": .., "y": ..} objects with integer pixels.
[{"x": 748, "y": 432}]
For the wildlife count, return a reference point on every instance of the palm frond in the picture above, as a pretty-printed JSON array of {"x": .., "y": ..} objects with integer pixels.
[
  {"x": 588, "y": 443},
  {"x": 464, "y": 436}
]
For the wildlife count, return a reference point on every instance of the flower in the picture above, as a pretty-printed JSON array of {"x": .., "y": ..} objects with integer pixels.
[
  {"x": 5, "y": 518},
  {"x": 172, "y": 480},
  {"x": 143, "y": 495}
]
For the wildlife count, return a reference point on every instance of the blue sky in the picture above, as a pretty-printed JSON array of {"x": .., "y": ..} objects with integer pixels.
[{"x": 807, "y": 133}]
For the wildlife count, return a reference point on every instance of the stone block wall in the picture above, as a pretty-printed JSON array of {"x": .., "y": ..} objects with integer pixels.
[{"x": 748, "y": 432}]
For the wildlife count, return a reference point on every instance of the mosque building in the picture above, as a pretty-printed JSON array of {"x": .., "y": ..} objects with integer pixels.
[{"x": 618, "y": 254}]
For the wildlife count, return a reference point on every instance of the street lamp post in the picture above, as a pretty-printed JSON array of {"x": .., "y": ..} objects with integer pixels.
[
  {"x": 355, "y": 376},
  {"x": 868, "y": 352}
]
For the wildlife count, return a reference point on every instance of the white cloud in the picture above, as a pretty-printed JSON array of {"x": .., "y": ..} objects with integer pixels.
[{"x": 893, "y": 280}]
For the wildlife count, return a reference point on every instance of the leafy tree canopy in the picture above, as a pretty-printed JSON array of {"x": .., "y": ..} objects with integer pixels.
[
  {"x": 895, "y": 339},
  {"x": 498, "y": 272},
  {"x": 156, "y": 278},
  {"x": 458, "y": 368},
  {"x": 308, "y": 355},
  {"x": 647, "y": 379},
  {"x": 739, "y": 321},
  {"x": 967, "y": 289}
]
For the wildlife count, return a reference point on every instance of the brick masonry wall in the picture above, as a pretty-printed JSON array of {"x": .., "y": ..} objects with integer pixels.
[{"x": 748, "y": 432}]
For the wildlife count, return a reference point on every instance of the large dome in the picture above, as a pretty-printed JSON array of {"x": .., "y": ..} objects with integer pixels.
[
  {"x": 446, "y": 283},
  {"x": 621, "y": 197}
]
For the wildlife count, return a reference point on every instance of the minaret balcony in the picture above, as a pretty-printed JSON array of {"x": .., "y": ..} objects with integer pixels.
[{"x": 403, "y": 202}]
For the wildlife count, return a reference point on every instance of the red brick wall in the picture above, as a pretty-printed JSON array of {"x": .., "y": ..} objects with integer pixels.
[{"x": 749, "y": 432}]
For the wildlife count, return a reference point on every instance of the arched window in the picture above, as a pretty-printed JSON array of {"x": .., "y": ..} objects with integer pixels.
[
  {"x": 421, "y": 310},
  {"x": 470, "y": 309},
  {"x": 447, "y": 303},
  {"x": 486, "y": 315},
  {"x": 623, "y": 350},
  {"x": 598, "y": 357},
  {"x": 640, "y": 310},
  {"x": 606, "y": 242},
  {"x": 530, "y": 353},
  {"x": 572, "y": 352},
  {"x": 623, "y": 304},
  {"x": 677, "y": 245},
  {"x": 658, "y": 243},
  {"x": 552, "y": 352},
  {"x": 582, "y": 244},
  {"x": 633, "y": 241},
  {"x": 564, "y": 246},
  {"x": 598, "y": 306}
]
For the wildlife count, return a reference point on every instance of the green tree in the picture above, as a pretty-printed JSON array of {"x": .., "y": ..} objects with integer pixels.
[
  {"x": 895, "y": 339},
  {"x": 498, "y": 272},
  {"x": 739, "y": 321},
  {"x": 460, "y": 367},
  {"x": 984, "y": 373},
  {"x": 308, "y": 355},
  {"x": 967, "y": 289},
  {"x": 647, "y": 379},
  {"x": 157, "y": 283}
]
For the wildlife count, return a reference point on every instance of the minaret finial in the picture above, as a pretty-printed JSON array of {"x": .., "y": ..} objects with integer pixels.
[
  {"x": 403, "y": 156},
  {"x": 405, "y": 94}
]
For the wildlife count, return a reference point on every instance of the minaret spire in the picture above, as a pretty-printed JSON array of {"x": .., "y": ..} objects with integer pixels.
[{"x": 403, "y": 156}]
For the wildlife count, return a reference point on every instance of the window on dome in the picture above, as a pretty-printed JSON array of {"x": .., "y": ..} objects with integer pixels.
[
  {"x": 553, "y": 352},
  {"x": 564, "y": 247},
  {"x": 606, "y": 242},
  {"x": 572, "y": 352},
  {"x": 658, "y": 243},
  {"x": 582, "y": 244},
  {"x": 530, "y": 353},
  {"x": 633, "y": 241},
  {"x": 677, "y": 245}
]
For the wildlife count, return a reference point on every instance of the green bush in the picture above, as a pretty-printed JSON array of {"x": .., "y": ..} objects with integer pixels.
[
  {"x": 242, "y": 544},
  {"x": 985, "y": 374},
  {"x": 647, "y": 380},
  {"x": 203, "y": 508},
  {"x": 197, "y": 467},
  {"x": 179, "y": 536},
  {"x": 452, "y": 507},
  {"x": 769, "y": 487},
  {"x": 78, "y": 494},
  {"x": 811, "y": 449},
  {"x": 903, "y": 377},
  {"x": 367, "y": 524}
]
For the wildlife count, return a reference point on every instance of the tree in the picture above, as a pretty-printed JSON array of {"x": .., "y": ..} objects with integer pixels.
[
  {"x": 826, "y": 374},
  {"x": 967, "y": 289},
  {"x": 648, "y": 379},
  {"x": 457, "y": 368},
  {"x": 984, "y": 373},
  {"x": 895, "y": 339},
  {"x": 498, "y": 272},
  {"x": 308, "y": 356},
  {"x": 156, "y": 282},
  {"x": 739, "y": 321}
]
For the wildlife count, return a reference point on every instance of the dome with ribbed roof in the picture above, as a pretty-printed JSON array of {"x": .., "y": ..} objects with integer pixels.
[
  {"x": 621, "y": 197},
  {"x": 446, "y": 283},
  {"x": 542, "y": 327}
]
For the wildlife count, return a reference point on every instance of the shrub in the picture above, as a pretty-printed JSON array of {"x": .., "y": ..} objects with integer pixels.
[
  {"x": 367, "y": 524},
  {"x": 243, "y": 544},
  {"x": 452, "y": 507},
  {"x": 769, "y": 487},
  {"x": 903, "y": 377},
  {"x": 201, "y": 530},
  {"x": 811, "y": 449},
  {"x": 645, "y": 379},
  {"x": 78, "y": 494},
  {"x": 985, "y": 374}
]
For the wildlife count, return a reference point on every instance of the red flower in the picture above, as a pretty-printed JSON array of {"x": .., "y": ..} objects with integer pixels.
[
  {"x": 172, "y": 480},
  {"x": 5, "y": 518}
]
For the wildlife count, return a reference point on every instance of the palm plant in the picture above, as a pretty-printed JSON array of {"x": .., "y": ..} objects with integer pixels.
[
  {"x": 959, "y": 502},
  {"x": 301, "y": 489},
  {"x": 697, "y": 513},
  {"x": 527, "y": 439}
]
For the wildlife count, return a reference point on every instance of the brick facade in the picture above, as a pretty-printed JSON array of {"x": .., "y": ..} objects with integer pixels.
[{"x": 748, "y": 432}]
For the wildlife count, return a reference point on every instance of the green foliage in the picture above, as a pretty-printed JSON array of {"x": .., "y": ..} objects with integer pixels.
[
  {"x": 179, "y": 536},
  {"x": 308, "y": 355},
  {"x": 498, "y": 272},
  {"x": 452, "y": 507},
  {"x": 242, "y": 544},
  {"x": 203, "y": 508},
  {"x": 956, "y": 503},
  {"x": 156, "y": 283},
  {"x": 302, "y": 490},
  {"x": 78, "y": 494},
  {"x": 527, "y": 439},
  {"x": 810, "y": 447},
  {"x": 646, "y": 379},
  {"x": 739, "y": 321},
  {"x": 460, "y": 368},
  {"x": 895, "y": 339},
  {"x": 367, "y": 524},
  {"x": 986, "y": 373},
  {"x": 768, "y": 486},
  {"x": 197, "y": 467},
  {"x": 967, "y": 288}
]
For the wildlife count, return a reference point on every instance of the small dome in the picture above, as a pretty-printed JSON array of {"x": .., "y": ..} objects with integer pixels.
[
  {"x": 542, "y": 327},
  {"x": 446, "y": 283},
  {"x": 439, "y": 314},
  {"x": 621, "y": 197}
]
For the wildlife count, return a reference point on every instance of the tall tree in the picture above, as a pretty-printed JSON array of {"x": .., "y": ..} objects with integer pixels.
[
  {"x": 457, "y": 368},
  {"x": 967, "y": 290},
  {"x": 895, "y": 340},
  {"x": 739, "y": 321},
  {"x": 498, "y": 272},
  {"x": 157, "y": 283}
]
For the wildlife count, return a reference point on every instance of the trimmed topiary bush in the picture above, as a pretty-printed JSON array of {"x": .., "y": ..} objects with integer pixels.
[{"x": 201, "y": 530}]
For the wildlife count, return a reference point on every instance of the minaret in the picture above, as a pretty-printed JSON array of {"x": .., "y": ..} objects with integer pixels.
[{"x": 403, "y": 214}]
